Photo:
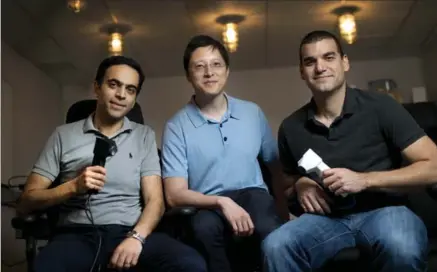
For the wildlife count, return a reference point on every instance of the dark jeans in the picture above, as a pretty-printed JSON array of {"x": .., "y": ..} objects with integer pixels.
[
  {"x": 74, "y": 248},
  {"x": 394, "y": 237},
  {"x": 213, "y": 235}
]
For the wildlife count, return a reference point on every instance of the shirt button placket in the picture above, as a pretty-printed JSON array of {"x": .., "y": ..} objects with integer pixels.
[{"x": 225, "y": 139}]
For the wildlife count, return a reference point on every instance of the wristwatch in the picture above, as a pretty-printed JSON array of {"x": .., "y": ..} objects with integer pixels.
[{"x": 134, "y": 234}]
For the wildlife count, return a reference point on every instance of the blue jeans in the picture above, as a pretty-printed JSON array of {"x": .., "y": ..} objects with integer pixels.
[{"x": 395, "y": 237}]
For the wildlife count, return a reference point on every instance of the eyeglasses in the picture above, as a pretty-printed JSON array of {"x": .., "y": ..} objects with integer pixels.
[{"x": 200, "y": 68}]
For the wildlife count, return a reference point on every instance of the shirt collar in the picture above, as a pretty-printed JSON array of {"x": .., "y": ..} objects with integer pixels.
[
  {"x": 198, "y": 119},
  {"x": 88, "y": 126},
  {"x": 350, "y": 105}
]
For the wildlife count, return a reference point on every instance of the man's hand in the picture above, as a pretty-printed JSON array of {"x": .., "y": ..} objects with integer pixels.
[
  {"x": 92, "y": 178},
  {"x": 344, "y": 181},
  {"x": 126, "y": 254},
  {"x": 312, "y": 198},
  {"x": 237, "y": 217}
]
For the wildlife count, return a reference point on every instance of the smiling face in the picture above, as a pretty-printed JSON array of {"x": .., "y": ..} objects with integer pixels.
[
  {"x": 207, "y": 71},
  {"x": 117, "y": 94},
  {"x": 322, "y": 66}
]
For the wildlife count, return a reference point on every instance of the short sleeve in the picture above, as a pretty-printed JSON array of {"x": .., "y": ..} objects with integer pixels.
[
  {"x": 49, "y": 159},
  {"x": 150, "y": 165},
  {"x": 289, "y": 164},
  {"x": 397, "y": 124},
  {"x": 174, "y": 154},
  {"x": 269, "y": 147}
]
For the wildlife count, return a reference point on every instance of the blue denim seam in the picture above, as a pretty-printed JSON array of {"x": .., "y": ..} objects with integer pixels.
[{"x": 334, "y": 237}]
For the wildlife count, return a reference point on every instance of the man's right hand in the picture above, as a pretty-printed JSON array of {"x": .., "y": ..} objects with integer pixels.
[
  {"x": 92, "y": 178},
  {"x": 239, "y": 219},
  {"x": 312, "y": 198}
]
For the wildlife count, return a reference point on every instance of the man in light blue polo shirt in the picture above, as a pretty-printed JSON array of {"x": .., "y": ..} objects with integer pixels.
[{"x": 210, "y": 150}]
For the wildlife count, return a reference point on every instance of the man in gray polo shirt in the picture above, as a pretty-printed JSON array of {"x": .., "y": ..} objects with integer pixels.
[{"x": 110, "y": 227}]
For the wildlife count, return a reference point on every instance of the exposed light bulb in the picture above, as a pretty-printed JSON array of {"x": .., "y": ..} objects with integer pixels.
[
  {"x": 76, "y": 5},
  {"x": 116, "y": 44},
  {"x": 230, "y": 37},
  {"x": 347, "y": 27}
]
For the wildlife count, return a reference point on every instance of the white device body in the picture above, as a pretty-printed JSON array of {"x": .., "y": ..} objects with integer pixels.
[{"x": 312, "y": 162}]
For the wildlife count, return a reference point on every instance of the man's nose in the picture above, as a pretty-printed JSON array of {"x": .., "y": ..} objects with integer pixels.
[
  {"x": 208, "y": 71},
  {"x": 121, "y": 93},
  {"x": 320, "y": 67}
]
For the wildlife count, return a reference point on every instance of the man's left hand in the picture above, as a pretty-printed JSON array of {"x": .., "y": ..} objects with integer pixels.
[
  {"x": 126, "y": 254},
  {"x": 344, "y": 181}
]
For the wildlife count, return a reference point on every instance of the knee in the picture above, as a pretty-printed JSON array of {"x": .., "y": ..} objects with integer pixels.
[
  {"x": 267, "y": 226},
  {"x": 407, "y": 239},
  {"x": 277, "y": 244},
  {"x": 404, "y": 246},
  {"x": 193, "y": 263},
  {"x": 207, "y": 224}
]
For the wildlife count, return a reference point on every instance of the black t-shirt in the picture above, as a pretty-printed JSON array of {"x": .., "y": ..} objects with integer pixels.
[{"x": 368, "y": 136}]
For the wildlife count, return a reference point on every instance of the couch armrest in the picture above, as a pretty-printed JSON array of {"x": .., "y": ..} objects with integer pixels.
[
  {"x": 180, "y": 211},
  {"x": 432, "y": 191}
]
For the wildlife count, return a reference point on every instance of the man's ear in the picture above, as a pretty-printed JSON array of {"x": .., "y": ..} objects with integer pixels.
[
  {"x": 301, "y": 71},
  {"x": 187, "y": 76},
  {"x": 346, "y": 64},
  {"x": 96, "y": 88}
]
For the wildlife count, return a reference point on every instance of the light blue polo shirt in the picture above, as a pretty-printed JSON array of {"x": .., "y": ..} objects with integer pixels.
[{"x": 218, "y": 156}]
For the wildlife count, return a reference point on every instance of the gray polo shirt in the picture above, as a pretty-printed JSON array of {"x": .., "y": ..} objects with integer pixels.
[{"x": 70, "y": 149}]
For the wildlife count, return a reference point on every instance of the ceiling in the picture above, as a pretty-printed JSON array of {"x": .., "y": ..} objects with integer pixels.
[{"x": 68, "y": 46}]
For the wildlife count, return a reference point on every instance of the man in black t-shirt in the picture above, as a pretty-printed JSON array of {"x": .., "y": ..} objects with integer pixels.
[{"x": 362, "y": 136}]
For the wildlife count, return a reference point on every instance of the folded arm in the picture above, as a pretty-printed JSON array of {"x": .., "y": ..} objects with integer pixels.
[
  {"x": 422, "y": 171},
  {"x": 175, "y": 171},
  {"x": 178, "y": 195},
  {"x": 403, "y": 131},
  {"x": 38, "y": 196}
]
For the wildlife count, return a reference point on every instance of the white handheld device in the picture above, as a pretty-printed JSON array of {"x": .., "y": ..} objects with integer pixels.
[{"x": 312, "y": 162}]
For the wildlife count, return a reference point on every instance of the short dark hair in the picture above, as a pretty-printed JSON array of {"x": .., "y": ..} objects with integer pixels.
[
  {"x": 204, "y": 41},
  {"x": 119, "y": 60},
  {"x": 319, "y": 35}
]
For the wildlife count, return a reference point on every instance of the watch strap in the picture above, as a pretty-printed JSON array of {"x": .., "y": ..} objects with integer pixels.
[{"x": 134, "y": 234}]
